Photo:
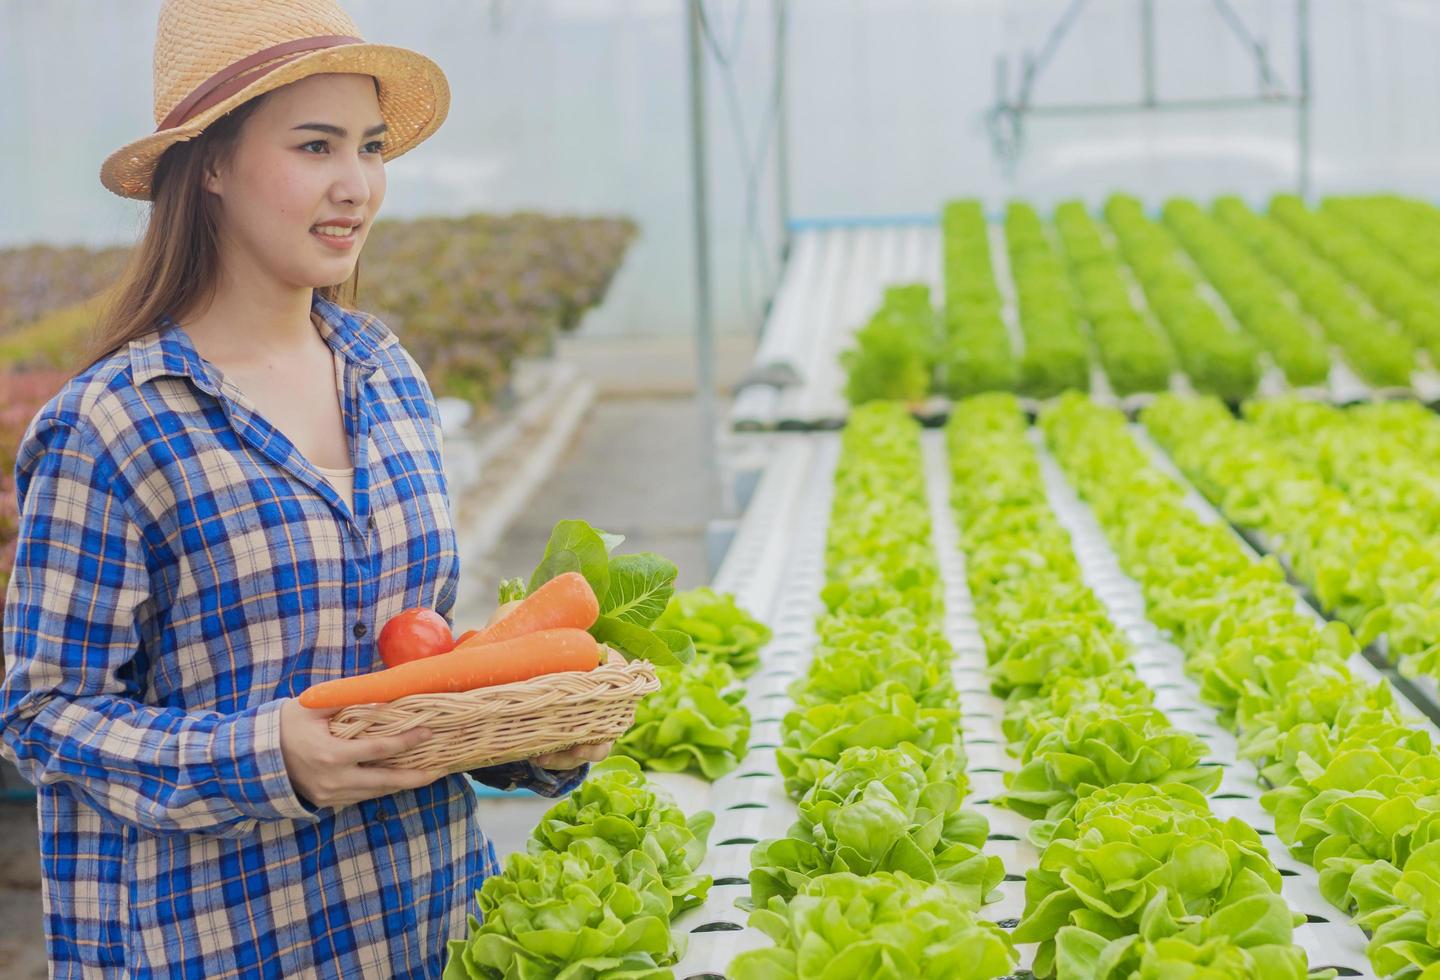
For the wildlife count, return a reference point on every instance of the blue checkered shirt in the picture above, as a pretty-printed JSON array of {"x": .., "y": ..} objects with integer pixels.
[{"x": 181, "y": 567}]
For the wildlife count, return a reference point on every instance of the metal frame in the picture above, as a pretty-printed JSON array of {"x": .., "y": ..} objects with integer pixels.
[
  {"x": 700, "y": 216},
  {"x": 1006, "y": 119}
]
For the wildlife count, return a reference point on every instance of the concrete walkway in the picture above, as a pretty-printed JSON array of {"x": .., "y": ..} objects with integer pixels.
[{"x": 634, "y": 469}]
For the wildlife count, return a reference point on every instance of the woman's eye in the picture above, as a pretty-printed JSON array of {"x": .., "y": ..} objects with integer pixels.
[{"x": 374, "y": 146}]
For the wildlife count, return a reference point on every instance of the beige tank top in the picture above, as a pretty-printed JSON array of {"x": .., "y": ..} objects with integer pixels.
[{"x": 342, "y": 480}]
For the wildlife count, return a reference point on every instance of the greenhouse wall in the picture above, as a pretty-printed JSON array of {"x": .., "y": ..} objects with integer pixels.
[{"x": 582, "y": 106}]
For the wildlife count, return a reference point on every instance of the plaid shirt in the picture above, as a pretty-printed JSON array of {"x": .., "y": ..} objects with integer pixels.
[{"x": 181, "y": 566}]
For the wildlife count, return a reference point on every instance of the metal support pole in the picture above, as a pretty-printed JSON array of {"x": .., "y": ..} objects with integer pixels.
[
  {"x": 1147, "y": 49},
  {"x": 1302, "y": 121},
  {"x": 704, "y": 309},
  {"x": 782, "y": 124}
]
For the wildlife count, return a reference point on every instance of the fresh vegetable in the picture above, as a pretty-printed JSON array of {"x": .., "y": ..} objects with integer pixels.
[
  {"x": 884, "y": 926},
  {"x": 1128, "y": 847},
  {"x": 593, "y": 894},
  {"x": 1140, "y": 856},
  {"x": 1219, "y": 360},
  {"x": 874, "y": 809},
  {"x": 872, "y": 751},
  {"x": 694, "y": 723},
  {"x": 1377, "y": 350},
  {"x": 618, "y": 810},
  {"x": 1253, "y": 938},
  {"x": 1134, "y": 354},
  {"x": 894, "y": 354},
  {"x": 977, "y": 355},
  {"x": 564, "y": 602},
  {"x": 1057, "y": 355},
  {"x": 1380, "y": 276},
  {"x": 1351, "y": 776},
  {"x": 1366, "y": 548},
  {"x": 1254, "y": 298},
  {"x": 414, "y": 635},
  {"x": 720, "y": 629},
  {"x": 465, "y": 668},
  {"x": 632, "y": 591}
]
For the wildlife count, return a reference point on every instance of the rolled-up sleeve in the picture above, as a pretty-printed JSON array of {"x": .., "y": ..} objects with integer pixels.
[{"x": 70, "y": 714}]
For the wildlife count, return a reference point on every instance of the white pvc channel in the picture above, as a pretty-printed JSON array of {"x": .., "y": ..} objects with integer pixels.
[
  {"x": 980, "y": 711},
  {"x": 776, "y": 569},
  {"x": 1328, "y": 936}
]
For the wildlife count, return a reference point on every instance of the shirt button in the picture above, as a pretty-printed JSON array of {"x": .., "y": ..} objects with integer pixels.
[{"x": 360, "y": 630}]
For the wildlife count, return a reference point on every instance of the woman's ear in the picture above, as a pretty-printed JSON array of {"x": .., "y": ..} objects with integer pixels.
[{"x": 211, "y": 180}]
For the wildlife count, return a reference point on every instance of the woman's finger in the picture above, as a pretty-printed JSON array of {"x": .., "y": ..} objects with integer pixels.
[
  {"x": 383, "y": 747},
  {"x": 596, "y": 753}
]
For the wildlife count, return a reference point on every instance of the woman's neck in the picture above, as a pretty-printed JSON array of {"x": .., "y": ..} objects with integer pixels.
[{"x": 240, "y": 323}]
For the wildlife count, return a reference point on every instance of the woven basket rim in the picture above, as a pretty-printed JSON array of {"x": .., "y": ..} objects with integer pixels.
[
  {"x": 600, "y": 677},
  {"x": 514, "y": 721}
]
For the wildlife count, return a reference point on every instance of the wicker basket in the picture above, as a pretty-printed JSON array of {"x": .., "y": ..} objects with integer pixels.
[{"x": 508, "y": 722}]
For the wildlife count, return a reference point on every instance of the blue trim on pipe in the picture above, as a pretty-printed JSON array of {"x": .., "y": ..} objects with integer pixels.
[
  {"x": 18, "y": 795},
  {"x": 861, "y": 221}
]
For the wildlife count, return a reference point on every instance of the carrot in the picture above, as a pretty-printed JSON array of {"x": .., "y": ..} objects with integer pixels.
[
  {"x": 565, "y": 601},
  {"x": 463, "y": 669}
]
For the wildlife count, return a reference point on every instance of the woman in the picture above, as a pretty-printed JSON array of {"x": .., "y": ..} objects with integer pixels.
[{"x": 218, "y": 512}]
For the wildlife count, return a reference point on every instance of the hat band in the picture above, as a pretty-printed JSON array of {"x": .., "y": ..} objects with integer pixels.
[{"x": 226, "y": 82}]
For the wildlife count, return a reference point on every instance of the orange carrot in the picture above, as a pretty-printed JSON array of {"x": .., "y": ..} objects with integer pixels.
[
  {"x": 564, "y": 601},
  {"x": 463, "y": 669}
]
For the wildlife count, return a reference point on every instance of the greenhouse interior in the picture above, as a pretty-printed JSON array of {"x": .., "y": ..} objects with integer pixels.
[{"x": 881, "y": 489}]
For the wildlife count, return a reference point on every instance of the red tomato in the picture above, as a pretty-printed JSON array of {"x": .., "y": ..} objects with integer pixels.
[{"x": 413, "y": 635}]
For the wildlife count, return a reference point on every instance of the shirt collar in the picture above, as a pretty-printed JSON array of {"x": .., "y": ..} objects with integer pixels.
[{"x": 356, "y": 337}]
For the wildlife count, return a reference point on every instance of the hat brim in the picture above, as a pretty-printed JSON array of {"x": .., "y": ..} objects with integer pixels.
[{"x": 414, "y": 101}]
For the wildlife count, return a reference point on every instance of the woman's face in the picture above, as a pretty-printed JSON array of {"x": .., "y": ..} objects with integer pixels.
[{"x": 307, "y": 157}]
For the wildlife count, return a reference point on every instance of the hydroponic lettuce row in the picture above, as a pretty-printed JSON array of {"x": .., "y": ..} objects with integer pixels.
[
  {"x": 720, "y": 629},
  {"x": 883, "y": 871},
  {"x": 1384, "y": 280},
  {"x": 1367, "y": 566},
  {"x": 895, "y": 354},
  {"x": 1409, "y": 230},
  {"x": 605, "y": 871},
  {"x": 697, "y": 722},
  {"x": 882, "y": 926},
  {"x": 1251, "y": 294},
  {"x": 976, "y": 355},
  {"x": 1219, "y": 360},
  {"x": 1350, "y": 274},
  {"x": 1057, "y": 356},
  {"x": 694, "y": 723},
  {"x": 1130, "y": 854},
  {"x": 1379, "y": 353},
  {"x": 1135, "y": 356},
  {"x": 1353, "y": 789}
]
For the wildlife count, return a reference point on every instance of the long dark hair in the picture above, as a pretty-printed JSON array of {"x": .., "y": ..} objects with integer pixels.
[{"x": 176, "y": 265}]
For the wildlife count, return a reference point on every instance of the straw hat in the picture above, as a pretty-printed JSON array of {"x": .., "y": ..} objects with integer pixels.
[{"x": 213, "y": 55}]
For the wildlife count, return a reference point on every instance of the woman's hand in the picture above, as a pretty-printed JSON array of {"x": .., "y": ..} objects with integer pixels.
[
  {"x": 566, "y": 758},
  {"x": 331, "y": 772},
  {"x": 574, "y": 756}
]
